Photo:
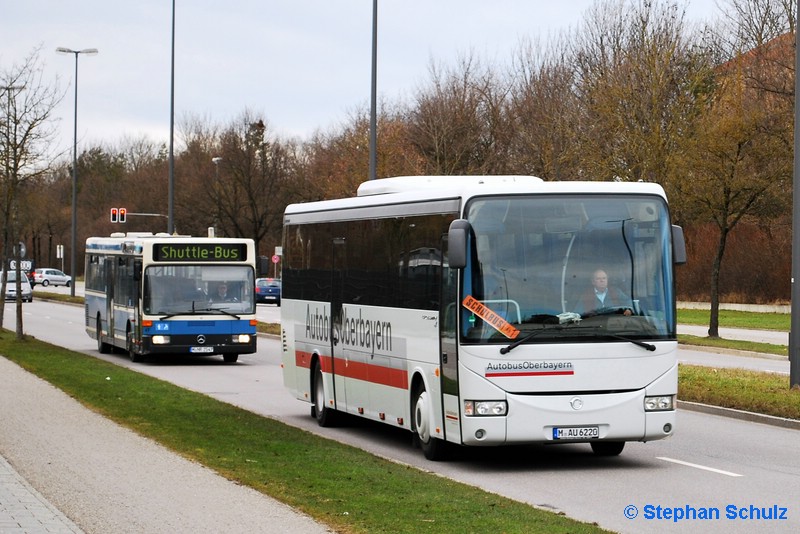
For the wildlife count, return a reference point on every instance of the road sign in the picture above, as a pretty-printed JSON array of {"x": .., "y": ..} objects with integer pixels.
[{"x": 275, "y": 258}]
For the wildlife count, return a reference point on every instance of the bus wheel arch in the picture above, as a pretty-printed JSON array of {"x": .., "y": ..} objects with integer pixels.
[{"x": 422, "y": 421}]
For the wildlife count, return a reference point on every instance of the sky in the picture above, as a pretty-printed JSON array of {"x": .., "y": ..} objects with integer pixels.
[{"x": 304, "y": 65}]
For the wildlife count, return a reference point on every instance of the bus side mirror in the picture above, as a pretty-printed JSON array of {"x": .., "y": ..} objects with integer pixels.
[
  {"x": 457, "y": 244},
  {"x": 678, "y": 245},
  {"x": 137, "y": 269}
]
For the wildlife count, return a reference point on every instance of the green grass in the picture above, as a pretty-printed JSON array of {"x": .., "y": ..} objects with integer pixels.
[
  {"x": 751, "y": 391},
  {"x": 735, "y": 344},
  {"x": 341, "y": 486},
  {"x": 737, "y": 319}
]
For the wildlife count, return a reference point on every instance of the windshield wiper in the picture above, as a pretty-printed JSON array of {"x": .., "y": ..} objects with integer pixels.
[
  {"x": 648, "y": 346},
  {"x": 196, "y": 311},
  {"x": 547, "y": 328}
]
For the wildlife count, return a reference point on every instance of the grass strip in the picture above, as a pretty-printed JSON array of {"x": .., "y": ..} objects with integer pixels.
[
  {"x": 737, "y": 319},
  {"x": 735, "y": 344},
  {"x": 342, "y": 486},
  {"x": 751, "y": 391}
]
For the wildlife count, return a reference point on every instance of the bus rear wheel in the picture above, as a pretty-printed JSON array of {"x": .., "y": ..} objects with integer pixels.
[
  {"x": 325, "y": 416},
  {"x": 421, "y": 420},
  {"x": 607, "y": 448}
]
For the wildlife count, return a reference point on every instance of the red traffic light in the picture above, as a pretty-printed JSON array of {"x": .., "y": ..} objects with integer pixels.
[
  {"x": 114, "y": 215},
  {"x": 123, "y": 215}
]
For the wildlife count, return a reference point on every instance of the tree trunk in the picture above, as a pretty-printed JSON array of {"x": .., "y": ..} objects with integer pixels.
[{"x": 713, "y": 326}]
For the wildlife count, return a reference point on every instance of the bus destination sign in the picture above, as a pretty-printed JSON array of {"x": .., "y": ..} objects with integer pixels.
[{"x": 199, "y": 252}]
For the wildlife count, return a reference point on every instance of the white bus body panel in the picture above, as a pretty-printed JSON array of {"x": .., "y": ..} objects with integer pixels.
[
  {"x": 378, "y": 353},
  {"x": 549, "y": 400}
]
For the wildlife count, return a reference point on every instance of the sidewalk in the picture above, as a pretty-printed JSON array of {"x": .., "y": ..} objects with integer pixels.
[
  {"x": 66, "y": 469},
  {"x": 24, "y": 510}
]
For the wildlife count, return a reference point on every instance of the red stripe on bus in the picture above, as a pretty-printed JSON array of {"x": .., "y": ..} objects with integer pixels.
[
  {"x": 543, "y": 373},
  {"x": 377, "y": 374}
]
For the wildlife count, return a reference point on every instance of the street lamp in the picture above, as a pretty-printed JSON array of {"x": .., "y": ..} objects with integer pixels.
[
  {"x": 73, "y": 241},
  {"x": 216, "y": 161},
  {"x": 373, "y": 121}
]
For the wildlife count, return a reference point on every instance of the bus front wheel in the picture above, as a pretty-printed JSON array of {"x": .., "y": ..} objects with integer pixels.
[
  {"x": 230, "y": 358},
  {"x": 325, "y": 416},
  {"x": 421, "y": 419},
  {"x": 102, "y": 348},
  {"x": 607, "y": 448},
  {"x": 132, "y": 354}
]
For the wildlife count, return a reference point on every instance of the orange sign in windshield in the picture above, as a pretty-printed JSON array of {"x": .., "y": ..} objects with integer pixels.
[{"x": 490, "y": 317}]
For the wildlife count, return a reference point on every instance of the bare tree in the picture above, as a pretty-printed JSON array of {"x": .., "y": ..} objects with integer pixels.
[
  {"x": 458, "y": 123},
  {"x": 250, "y": 189},
  {"x": 26, "y": 134},
  {"x": 640, "y": 81},
  {"x": 544, "y": 113}
]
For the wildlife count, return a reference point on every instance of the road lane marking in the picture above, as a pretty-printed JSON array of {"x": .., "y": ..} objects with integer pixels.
[{"x": 697, "y": 466}]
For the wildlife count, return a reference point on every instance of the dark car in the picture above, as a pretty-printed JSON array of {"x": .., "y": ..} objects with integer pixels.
[{"x": 268, "y": 290}]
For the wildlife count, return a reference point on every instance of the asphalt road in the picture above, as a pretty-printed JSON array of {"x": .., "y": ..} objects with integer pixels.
[{"x": 711, "y": 463}]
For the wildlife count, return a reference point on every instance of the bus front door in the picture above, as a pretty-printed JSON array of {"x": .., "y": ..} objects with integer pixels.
[{"x": 448, "y": 340}]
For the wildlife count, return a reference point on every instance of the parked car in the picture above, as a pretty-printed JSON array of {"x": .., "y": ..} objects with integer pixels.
[
  {"x": 51, "y": 276},
  {"x": 11, "y": 287},
  {"x": 268, "y": 290}
]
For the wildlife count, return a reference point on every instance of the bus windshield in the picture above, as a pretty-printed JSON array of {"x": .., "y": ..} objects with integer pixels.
[
  {"x": 176, "y": 289},
  {"x": 572, "y": 267}
]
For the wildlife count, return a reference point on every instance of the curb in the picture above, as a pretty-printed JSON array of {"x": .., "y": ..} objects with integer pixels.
[{"x": 751, "y": 417}]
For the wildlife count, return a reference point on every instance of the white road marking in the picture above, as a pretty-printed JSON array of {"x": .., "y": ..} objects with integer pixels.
[{"x": 696, "y": 466}]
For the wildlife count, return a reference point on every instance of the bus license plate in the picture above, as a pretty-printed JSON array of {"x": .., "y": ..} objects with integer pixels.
[
  {"x": 203, "y": 350},
  {"x": 576, "y": 432}
]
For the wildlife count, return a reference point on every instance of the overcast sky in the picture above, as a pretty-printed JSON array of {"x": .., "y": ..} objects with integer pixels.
[{"x": 303, "y": 64}]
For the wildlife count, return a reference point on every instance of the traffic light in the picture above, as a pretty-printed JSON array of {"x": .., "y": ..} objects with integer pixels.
[
  {"x": 114, "y": 215},
  {"x": 123, "y": 215}
]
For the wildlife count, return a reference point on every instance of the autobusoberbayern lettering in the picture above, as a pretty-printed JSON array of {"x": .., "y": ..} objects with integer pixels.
[{"x": 357, "y": 332}]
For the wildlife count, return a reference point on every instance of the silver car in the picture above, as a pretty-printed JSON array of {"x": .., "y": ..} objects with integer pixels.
[
  {"x": 11, "y": 287},
  {"x": 51, "y": 276}
]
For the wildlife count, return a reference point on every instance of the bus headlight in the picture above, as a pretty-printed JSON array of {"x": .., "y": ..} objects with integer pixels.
[
  {"x": 659, "y": 403},
  {"x": 241, "y": 338},
  {"x": 160, "y": 340},
  {"x": 482, "y": 408}
]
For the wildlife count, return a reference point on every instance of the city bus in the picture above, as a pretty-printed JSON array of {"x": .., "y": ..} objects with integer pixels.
[
  {"x": 157, "y": 294},
  {"x": 452, "y": 307}
]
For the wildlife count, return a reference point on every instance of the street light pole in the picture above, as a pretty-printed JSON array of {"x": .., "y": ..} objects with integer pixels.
[
  {"x": 373, "y": 113},
  {"x": 217, "y": 160},
  {"x": 171, "y": 184},
  {"x": 73, "y": 238}
]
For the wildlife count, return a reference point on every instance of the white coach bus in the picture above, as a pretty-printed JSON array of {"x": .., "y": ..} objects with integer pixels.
[{"x": 462, "y": 308}]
